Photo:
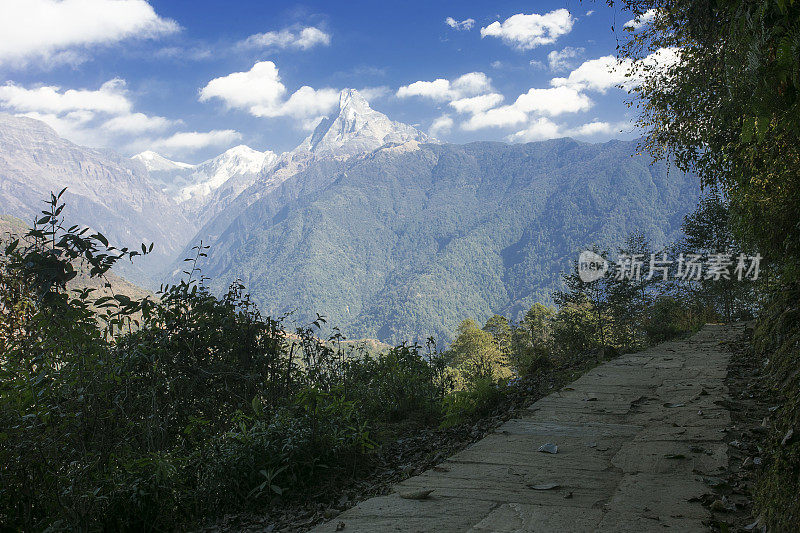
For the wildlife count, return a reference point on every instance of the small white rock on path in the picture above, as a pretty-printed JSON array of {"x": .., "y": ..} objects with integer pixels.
[{"x": 636, "y": 436}]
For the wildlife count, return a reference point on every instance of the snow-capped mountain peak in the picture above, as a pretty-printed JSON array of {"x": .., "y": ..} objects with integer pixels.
[
  {"x": 356, "y": 128},
  {"x": 154, "y": 161},
  {"x": 212, "y": 174},
  {"x": 193, "y": 185},
  {"x": 239, "y": 160}
]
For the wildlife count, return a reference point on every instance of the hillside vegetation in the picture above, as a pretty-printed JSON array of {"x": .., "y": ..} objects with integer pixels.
[{"x": 154, "y": 414}]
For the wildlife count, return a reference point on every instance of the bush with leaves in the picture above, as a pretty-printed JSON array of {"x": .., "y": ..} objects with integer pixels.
[{"x": 124, "y": 414}]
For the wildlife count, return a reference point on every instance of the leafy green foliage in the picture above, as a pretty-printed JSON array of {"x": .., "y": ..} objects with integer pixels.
[
  {"x": 777, "y": 338},
  {"x": 120, "y": 413},
  {"x": 477, "y": 355},
  {"x": 728, "y": 108},
  {"x": 478, "y": 399}
]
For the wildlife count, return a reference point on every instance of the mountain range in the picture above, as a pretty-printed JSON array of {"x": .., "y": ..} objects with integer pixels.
[{"x": 390, "y": 234}]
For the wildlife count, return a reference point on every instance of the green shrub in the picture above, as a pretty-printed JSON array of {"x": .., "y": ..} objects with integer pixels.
[
  {"x": 396, "y": 385},
  {"x": 777, "y": 338},
  {"x": 479, "y": 398}
]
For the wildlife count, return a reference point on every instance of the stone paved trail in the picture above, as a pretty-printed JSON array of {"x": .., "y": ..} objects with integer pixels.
[{"x": 635, "y": 437}]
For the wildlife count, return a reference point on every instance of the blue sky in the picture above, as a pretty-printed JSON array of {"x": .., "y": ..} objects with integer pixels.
[{"x": 134, "y": 75}]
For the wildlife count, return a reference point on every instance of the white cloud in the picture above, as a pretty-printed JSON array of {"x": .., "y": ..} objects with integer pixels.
[
  {"x": 551, "y": 102},
  {"x": 471, "y": 84},
  {"x": 498, "y": 117},
  {"x": 560, "y": 59},
  {"x": 260, "y": 86},
  {"x": 596, "y": 74},
  {"x": 110, "y": 98},
  {"x": 536, "y": 64},
  {"x": 261, "y": 93},
  {"x": 101, "y": 117},
  {"x": 374, "y": 93},
  {"x": 137, "y": 123},
  {"x": 476, "y": 104},
  {"x": 543, "y": 128},
  {"x": 605, "y": 72},
  {"x": 590, "y": 13},
  {"x": 525, "y": 32},
  {"x": 51, "y": 32},
  {"x": 303, "y": 39},
  {"x": 464, "y": 25},
  {"x": 540, "y": 129},
  {"x": 554, "y": 101},
  {"x": 601, "y": 128},
  {"x": 192, "y": 140},
  {"x": 473, "y": 95},
  {"x": 304, "y": 102},
  {"x": 72, "y": 125},
  {"x": 441, "y": 126},
  {"x": 438, "y": 89},
  {"x": 642, "y": 20}
]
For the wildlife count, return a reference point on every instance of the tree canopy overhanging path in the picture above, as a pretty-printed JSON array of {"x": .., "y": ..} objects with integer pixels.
[{"x": 635, "y": 436}]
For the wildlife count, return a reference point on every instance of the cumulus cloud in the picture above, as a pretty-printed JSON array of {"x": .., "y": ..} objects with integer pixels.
[
  {"x": 596, "y": 74},
  {"x": 561, "y": 59},
  {"x": 51, "y": 32},
  {"x": 606, "y": 72},
  {"x": 498, "y": 117},
  {"x": 374, "y": 93},
  {"x": 550, "y": 102},
  {"x": 137, "y": 123},
  {"x": 476, "y": 104},
  {"x": 642, "y": 20},
  {"x": 471, "y": 84},
  {"x": 553, "y": 101},
  {"x": 438, "y": 89},
  {"x": 601, "y": 128},
  {"x": 544, "y": 128},
  {"x": 109, "y": 98},
  {"x": 103, "y": 117},
  {"x": 540, "y": 129},
  {"x": 473, "y": 95},
  {"x": 525, "y": 32},
  {"x": 259, "y": 86},
  {"x": 302, "y": 39},
  {"x": 73, "y": 125},
  {"x": 464, "y": 25},
  {"x": 260, "y": 92},
  {"x": 441, "y": 126}
]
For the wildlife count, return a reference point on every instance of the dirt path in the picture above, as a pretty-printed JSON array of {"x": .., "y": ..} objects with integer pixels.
[{"x": 636, "y": 437}]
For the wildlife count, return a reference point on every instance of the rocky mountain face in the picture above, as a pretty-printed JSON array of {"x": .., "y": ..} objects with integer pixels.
[
  {"x": 105, "y": 191},
  {"x": 356, "y": 128},
  {"x": 353, "y": 131},
  {"x": 388, "y": 233}
]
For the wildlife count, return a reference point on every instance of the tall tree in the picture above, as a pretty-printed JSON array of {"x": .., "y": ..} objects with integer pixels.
[
  {"x": 477, "y": 355},
  {"x": 498, "y": 326},
  {"x": 728, "y": 107}
]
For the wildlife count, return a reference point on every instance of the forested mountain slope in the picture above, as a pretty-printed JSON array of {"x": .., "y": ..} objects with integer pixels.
[{"x": 405, "y": 241}]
